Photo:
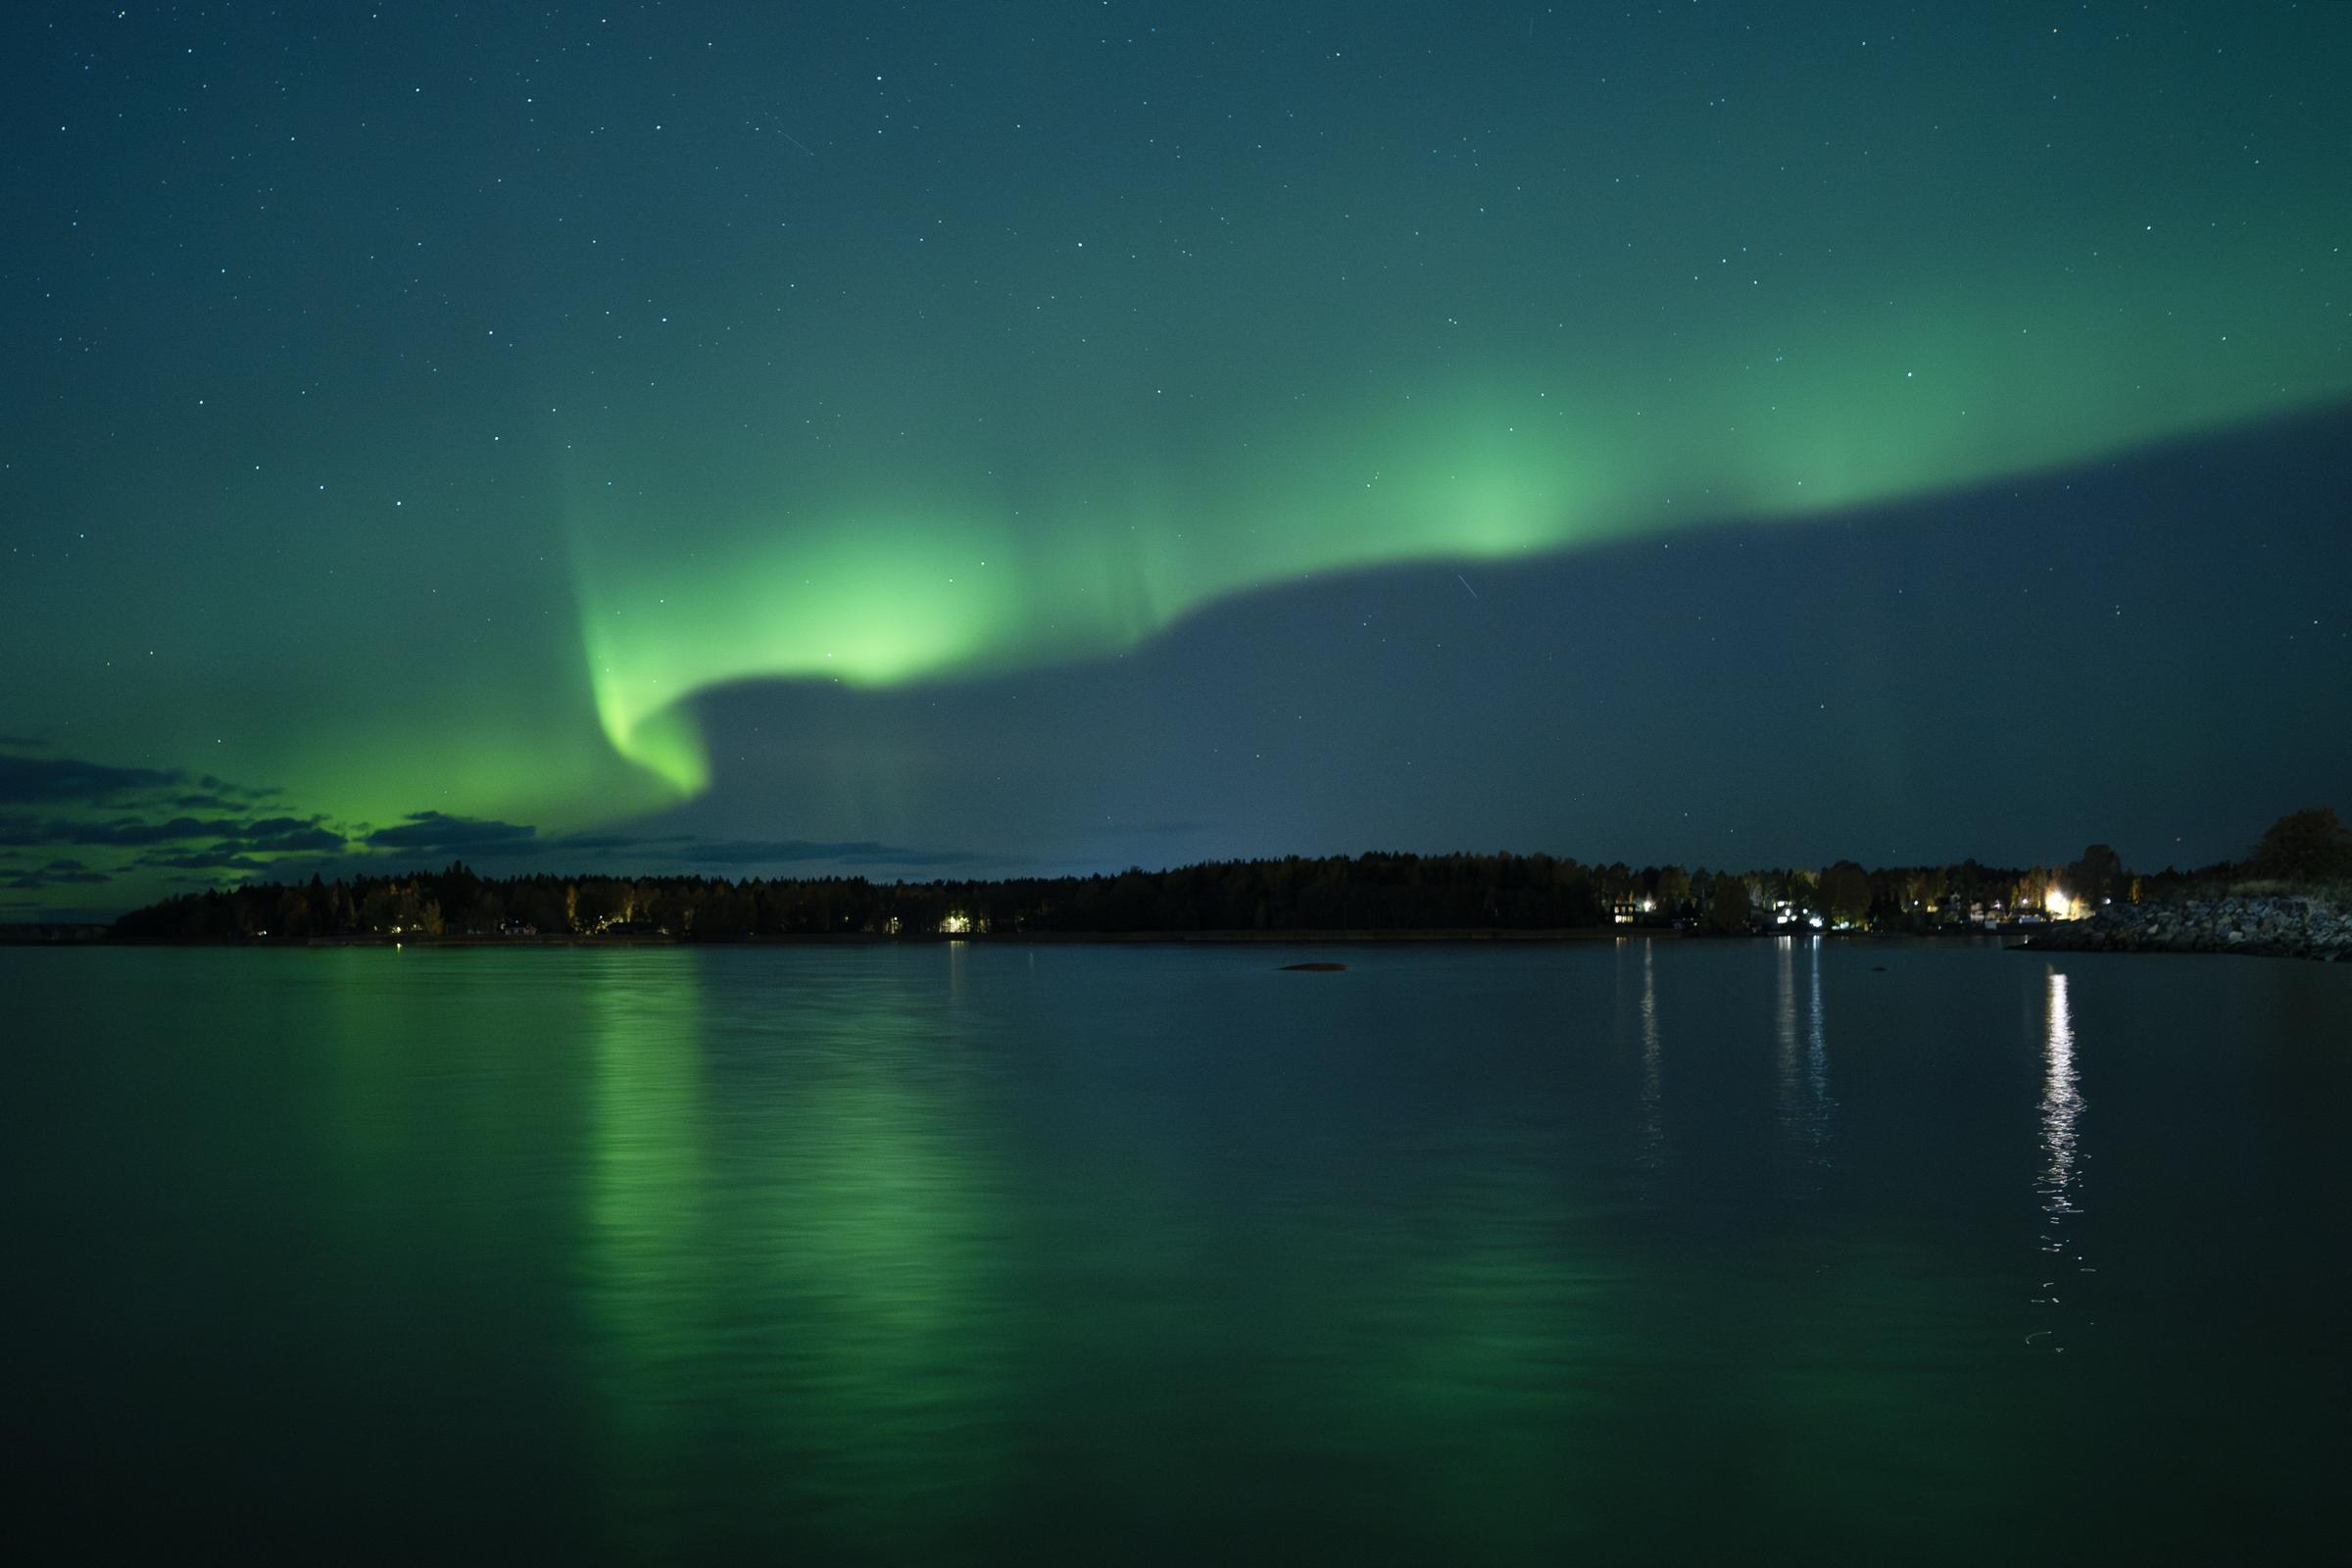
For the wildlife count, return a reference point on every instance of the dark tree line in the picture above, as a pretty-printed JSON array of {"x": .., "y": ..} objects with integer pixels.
[
  {"x": 1378, "y": 891},
  {"x": 1374, "y": 892}
]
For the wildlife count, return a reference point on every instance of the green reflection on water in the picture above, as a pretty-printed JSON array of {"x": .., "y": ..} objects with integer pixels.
[
  {"x": 922, "y": 1256},
  {"x": 788, "y": 1261}
]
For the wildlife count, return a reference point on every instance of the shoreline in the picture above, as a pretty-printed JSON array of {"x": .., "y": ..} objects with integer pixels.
[
  {"x": 1334, "y": 937},
  {"x": 2306, "y": 926}
]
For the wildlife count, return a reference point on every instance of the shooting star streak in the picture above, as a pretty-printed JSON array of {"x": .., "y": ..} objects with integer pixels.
[{"x": 1465, "y": 582}]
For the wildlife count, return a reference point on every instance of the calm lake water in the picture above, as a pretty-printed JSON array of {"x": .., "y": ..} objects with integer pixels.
[{"x": 937, "y": 1254}]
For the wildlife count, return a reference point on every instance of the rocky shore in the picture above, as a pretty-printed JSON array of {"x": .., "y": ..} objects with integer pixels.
[{"x": 2285, "y": 927}]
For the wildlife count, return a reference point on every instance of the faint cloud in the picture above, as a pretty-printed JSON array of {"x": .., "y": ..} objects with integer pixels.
[
  {"x": 220, "y": 857},
  {"x": 609, "y": 843},
  {"x": 427, "y": 831},
  {"x": 851, "y": 852},
  {"x": 52, "y": 876},
  {"x": 52, "y": 780},
  {"x": 287, "y": 835}
]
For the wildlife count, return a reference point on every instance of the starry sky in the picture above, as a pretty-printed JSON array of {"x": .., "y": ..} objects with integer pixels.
[{"x": 982, "y": 439}]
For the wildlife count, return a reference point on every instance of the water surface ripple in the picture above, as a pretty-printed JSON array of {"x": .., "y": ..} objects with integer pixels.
[{"x": 988, "y": 1254}]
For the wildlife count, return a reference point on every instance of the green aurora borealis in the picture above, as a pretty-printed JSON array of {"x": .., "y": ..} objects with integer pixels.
[
  {"x": 425, "y": 416},
  {"x": 929, "y": 577}
]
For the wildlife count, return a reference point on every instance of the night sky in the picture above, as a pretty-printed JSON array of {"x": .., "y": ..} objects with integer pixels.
[{"x": 913, "y": 440}]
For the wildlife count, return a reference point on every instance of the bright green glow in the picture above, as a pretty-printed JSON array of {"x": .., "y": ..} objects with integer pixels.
[
  {"x": 854, "y": 1207},
  {"x": 1743, "y": 413},
  {"x": 857, "y": 606}
]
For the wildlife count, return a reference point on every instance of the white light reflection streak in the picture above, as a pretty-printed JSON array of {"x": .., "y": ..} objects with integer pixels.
[
  {"x": 2061, "y": 1112},
  {"x": 1803, "y": 1083},
  {"x": 1783, "y": 1014},
  {"x": 1653, "y": 1129},
  {"x": 2061, "y": 1104},
  {"x": 1817, "y": 1061}
]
